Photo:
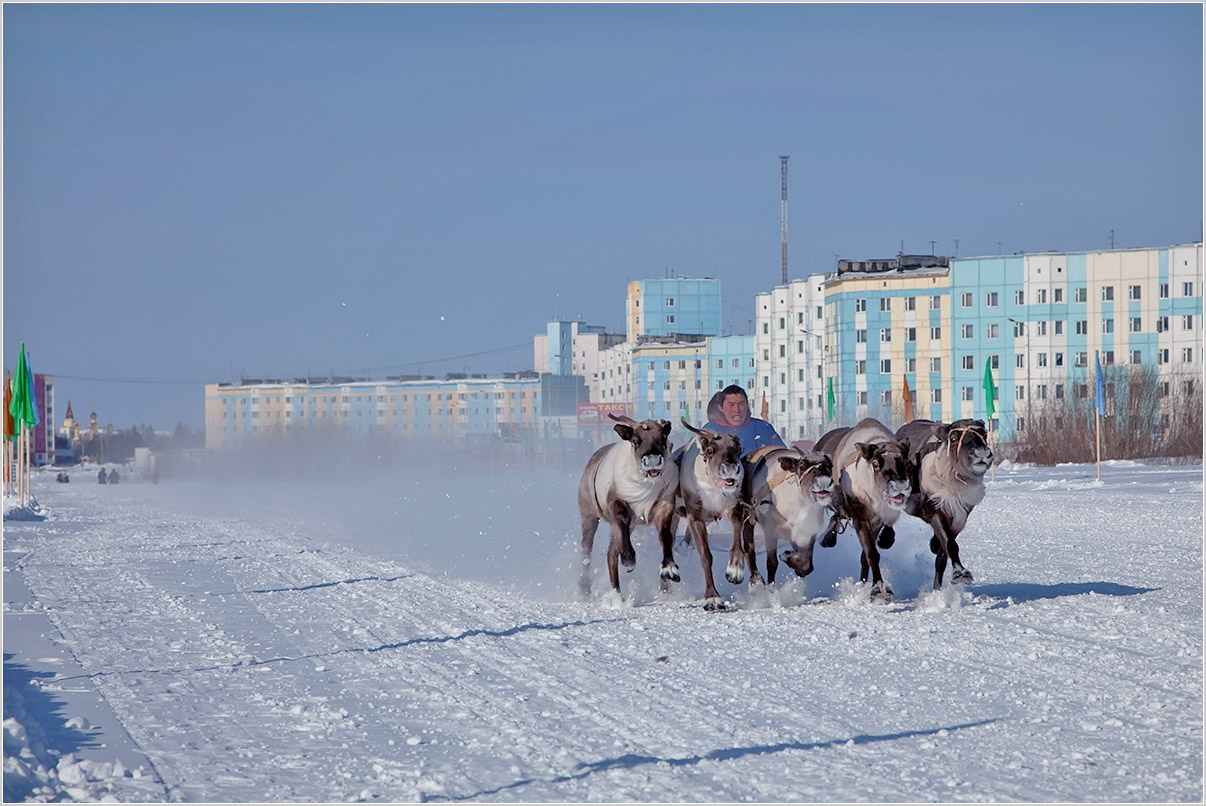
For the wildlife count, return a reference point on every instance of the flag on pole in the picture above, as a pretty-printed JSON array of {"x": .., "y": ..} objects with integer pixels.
[
  {"x": 908, "y": 401},
  {"x": 765, "y": 408},
  {"x": 990, "y": 391},
  {"x": 21, "y": 406},
  {"x": 33, "y": 391},
  {"x": 10, "y": 425},
  {"x": 1100, "y": 384},
  {"x": 830, "y": 400}
]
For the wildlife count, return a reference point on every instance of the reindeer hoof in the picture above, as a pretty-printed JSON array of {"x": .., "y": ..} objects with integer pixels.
[
  {"x": 669, "y": 572},
  {"x": 961, "y": 576},
  {"x": 713, "y": 604},
  {"x": 735, "y": 574},
  {"x": 628, "y": 560},
  {"x": 829, "y": 539},
  {"x": 756, "y": 580},
  {"x": 887, "y": 536},
  {"x": 881, "y": 592}
]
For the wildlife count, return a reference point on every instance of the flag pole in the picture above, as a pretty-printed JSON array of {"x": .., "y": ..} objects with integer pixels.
[{"x": 1097, "y": 418}]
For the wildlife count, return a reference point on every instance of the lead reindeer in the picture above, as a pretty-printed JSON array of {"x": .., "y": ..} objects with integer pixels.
[
  {"x": 950, "y": 462},
  {"x": 710, "y": 485},
  {"x": 631, "y": 482}
]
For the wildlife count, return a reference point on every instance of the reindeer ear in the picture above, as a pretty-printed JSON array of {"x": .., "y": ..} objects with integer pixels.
[
  {"x": 789, "y": 463},
  {"x": 666, "y": 426},
  {"x": 941, "y": 432},
  {"x": 866, "y": 450},
  {"x": 625, "y": 431}
]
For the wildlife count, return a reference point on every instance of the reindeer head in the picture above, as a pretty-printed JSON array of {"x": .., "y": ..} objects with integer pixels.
[
  {"x": 890, "y": 464},
  {"x": 814, "y": 471},
  {"x": 649, "y": 440},
  {"x": 967, "y": 442},
  {"x": 721, "y": 454}
]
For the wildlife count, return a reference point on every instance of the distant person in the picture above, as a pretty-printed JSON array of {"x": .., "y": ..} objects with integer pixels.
[
  {"x": 729, "y": 413},
  {"x": 113, "y": 477},
  {"x": 101, "y": 477}
]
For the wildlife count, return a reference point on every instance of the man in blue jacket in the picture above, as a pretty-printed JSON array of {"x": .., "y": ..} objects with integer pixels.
[{"x": 729, "y": 413}]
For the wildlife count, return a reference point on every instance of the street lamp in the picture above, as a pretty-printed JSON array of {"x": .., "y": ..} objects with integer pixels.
[{"x": 1026, "y": 333}]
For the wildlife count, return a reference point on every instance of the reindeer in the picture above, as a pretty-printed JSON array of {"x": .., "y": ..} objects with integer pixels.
[
  {"x": 949, "y": 466},
  {"x": 874, "y": 478},
  {"x": 633, "y": 481},
  {"x": 710, "y": 486},
  {"x": 791, "y": 497}
]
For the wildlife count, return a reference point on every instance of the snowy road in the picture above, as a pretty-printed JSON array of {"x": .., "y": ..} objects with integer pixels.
[{"x": 386, "y": 640}]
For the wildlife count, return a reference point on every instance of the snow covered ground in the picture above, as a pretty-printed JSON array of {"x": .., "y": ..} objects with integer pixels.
[{"x": 400, "y": 636}]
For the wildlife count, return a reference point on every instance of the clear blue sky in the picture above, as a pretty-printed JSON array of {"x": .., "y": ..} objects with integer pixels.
[{"x": 194, "y": 192}]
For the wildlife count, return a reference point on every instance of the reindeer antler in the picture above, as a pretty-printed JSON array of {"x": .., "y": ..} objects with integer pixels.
[
  {"x": 692, "y": 428},
  {"x": 623, "y": 418}
]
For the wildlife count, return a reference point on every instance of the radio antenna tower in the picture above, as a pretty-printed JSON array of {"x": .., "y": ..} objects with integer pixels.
[{"x": 783, "y": 214}]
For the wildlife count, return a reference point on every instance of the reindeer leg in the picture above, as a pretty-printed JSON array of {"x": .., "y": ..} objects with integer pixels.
[
  {"x": 743, "y": 553},
  {"x": 800, "y": 558},
  {"x": 622, "y": 517},
  {"x": 944, "y": 542},
  {"x": 699, "y": 533},
  {"x": 870, "y": 561},
  {"x": 771, "y": 537},
  {"x": 590, "y": 524},
  {"x": 663, "y": 519}
]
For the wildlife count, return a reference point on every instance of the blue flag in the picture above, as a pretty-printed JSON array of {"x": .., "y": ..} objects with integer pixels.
[
  {"x": 1100, "y": 384},
  {"x": 33, "y": 391}
]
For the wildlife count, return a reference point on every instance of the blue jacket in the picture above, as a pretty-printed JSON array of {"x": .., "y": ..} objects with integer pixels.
[{"x": 753, "y": 435}]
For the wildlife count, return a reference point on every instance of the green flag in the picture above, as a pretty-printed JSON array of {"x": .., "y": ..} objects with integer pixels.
[
  {"x": 21, "y": 406},
  {"x": 830, "y": 400},
  {"x": 990, "y": 391}
]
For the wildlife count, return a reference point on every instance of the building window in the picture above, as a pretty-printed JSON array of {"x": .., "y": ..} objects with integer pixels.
[
  {"x": 1059, "y": 295},
  {"x": 936, "y": 333},
  {"x": 1107, "y": 325},
  {"x": 1107, "y": 293},
  {"x": 1107, "y": 357},
  {"x": 1082, "y": 359},
  {"x": 860, "y": 367},
  {"x": 1162, "y": 356},
  {"x": 1041, "y": 359},
  {"x": 935, "y": 395},
  {"x": 885, "y": 334},
  {"x": 969, "y": 362},
  {"x": 1082, "y": 295},
  {"x": 1161, "y": 324},
  {"x": 990, "y": 299},
  {"x": 1020, "y": 392},
  {"x": 1163, "y": 290},
  {"x": 1186, "y": 355},
  {"x": 860, "y": 336},
  {"x": 1136, "y": 356},
  {"x": 935, "y": 303},
  {"x": 992, "y": 330},
  {"x": 1187, "y": 322},
  {"x": 1020, "y": 360},
  {"x": 910, "y": 303},
  {"x": 782, "y": 323},
  {"x": 670, "y": 319},
  {"x": 860, "y": 305},
  {"x": 1133, "y": 292},
  {"x": 1019, "y": 297},
  {"x": 1059, "y": 359},
  {"x": 936, "y": 364},
  {"x": 965, "y": 300},
  {"x": 994, "y": 361},
  {"x": 910, "y": 334},
  {"x": 1136, "y": 324},
  {"x": 861, "y": 398},
  {"x": 969, "y": 331},
  {"x": 1187, "y": 290},
  {"x": 670, "y": 302},
  {"x": 1082, "y": 327},
  {"x": 969, "y": 394},
  {"x": 885, "y": 303},
  {"x": 885, "y": 366}
]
